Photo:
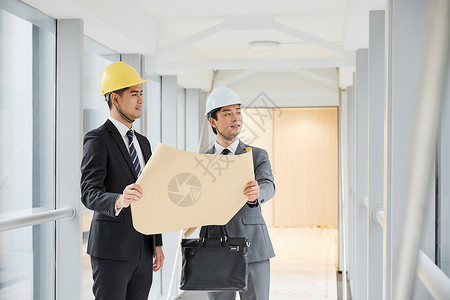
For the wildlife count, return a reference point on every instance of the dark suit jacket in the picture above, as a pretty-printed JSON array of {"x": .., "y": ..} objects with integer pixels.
[
  {"x": 106, "y": 170},
  {"x": 249, "y": 222}
]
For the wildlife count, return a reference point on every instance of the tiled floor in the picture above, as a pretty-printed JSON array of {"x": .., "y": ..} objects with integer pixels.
[{"x": 304, "y": 266}]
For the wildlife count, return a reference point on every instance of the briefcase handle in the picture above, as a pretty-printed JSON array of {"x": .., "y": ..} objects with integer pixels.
[{"x": 223, "y": 232}]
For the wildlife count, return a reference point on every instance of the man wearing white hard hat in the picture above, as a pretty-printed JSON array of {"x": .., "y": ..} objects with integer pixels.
[{"x": 223, "y": 111}]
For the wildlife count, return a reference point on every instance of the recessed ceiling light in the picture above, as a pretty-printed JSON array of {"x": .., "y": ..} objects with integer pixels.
[{"x": 264, "y": 45}]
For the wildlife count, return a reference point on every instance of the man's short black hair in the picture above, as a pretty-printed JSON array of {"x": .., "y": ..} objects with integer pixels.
[
  {"x": 118, "y": 92},
  {"x": 213, "y": 115}
]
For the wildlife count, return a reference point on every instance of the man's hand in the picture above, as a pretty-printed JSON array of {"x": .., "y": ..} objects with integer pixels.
[
  {"x": 131, "y": 194},
  {"x": 159, "y": 259},
  {"x": 252, "y": 191}
]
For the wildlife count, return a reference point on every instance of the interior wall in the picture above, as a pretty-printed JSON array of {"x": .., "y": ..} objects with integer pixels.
[
  {"x": 257, "y": 131},
  {"x": 305, "y": 163}
]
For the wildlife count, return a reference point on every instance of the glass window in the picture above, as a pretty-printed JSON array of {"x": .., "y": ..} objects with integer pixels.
[
  {"x": 443, "y": 189},
  {"x": 96, "y": 58},
  {"x": 27, "y": 164}
]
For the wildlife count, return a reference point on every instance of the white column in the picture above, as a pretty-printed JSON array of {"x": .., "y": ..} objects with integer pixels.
[
  {"x": 181, "y": 119},
  {"x": 193, "y": 115},
  {"x": 343, "y": 175},
  {"x": 169, "y": 126},
  {"x": 169, "y": 100},
  {"x": 69, "y": 92},
  {"x": 153, "y": 115},
  {"x": 376, "y": 153},
  {"x": 349, "y": 210},
  {"x": 152, "y": 119},
  {"x": 405, "y": 37},
  {"x": 361, "y": 98}
]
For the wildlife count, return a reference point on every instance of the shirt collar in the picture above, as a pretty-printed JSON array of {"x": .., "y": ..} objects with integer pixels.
[
  {"x": 219, "y": 148},
  {"x": 120, "y": 126}
]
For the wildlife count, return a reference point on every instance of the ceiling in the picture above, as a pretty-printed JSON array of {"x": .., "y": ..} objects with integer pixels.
[{"x": 190, "y": 39}]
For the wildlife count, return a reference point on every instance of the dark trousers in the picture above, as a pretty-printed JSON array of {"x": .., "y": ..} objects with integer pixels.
[
  {"x": 122, "y": 280},
  {"x": 258, "y": 284}
]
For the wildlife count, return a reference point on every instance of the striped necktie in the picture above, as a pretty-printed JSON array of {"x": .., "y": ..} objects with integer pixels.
[{"x": 133, "y": 153}]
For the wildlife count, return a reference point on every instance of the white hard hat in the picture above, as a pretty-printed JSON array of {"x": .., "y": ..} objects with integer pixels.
[{"x": 221, "y": 96}]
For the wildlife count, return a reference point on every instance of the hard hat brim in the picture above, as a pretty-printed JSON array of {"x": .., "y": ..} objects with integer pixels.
[{"x": 119, "y": 87}]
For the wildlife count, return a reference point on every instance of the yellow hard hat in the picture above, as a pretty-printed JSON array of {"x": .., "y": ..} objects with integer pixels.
[{"x": 119, "y": 75}]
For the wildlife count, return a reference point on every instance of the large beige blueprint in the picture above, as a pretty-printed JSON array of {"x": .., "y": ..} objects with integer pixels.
[{"x": 184, "y": 190}]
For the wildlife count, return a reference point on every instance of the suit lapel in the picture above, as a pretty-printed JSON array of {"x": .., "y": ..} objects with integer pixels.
[
  {"x": 210, "y": 150},
  {"x": 240, "y": 148},
  {"x": 146, "y": 151},
  {"x": 120, "y": 144}
]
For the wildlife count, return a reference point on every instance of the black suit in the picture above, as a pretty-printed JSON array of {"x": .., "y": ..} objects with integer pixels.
[{"x": 106, "y": 170}]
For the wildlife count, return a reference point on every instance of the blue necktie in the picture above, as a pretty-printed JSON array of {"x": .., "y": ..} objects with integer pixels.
[{"x": 133, "y": 153}]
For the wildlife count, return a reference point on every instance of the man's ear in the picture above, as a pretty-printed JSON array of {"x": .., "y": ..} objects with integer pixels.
[
  {"x": 212, "y": 122},
  {"x": 113, "y": 98}
]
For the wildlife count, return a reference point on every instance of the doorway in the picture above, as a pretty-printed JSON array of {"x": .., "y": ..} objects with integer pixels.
[{"x": 302, "y": 144}]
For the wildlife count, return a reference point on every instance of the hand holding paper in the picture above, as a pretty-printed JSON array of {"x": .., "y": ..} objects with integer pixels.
[{"x": 183, "y": 189}]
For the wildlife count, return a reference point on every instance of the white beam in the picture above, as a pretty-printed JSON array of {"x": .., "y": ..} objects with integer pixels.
[
  {"x": 236, "y": 77},
  {"x": 308, "y": 37},
  {"x": 167, "y": 68},
  {"x": 192, "y": 39},
  {"x": 316, "y": 77},
  {"x": 262, "y": 22},
  {"x": 256, "y": 22}
]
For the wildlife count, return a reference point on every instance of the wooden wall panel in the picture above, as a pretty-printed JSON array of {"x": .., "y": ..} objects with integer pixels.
[{"x": 305, "y": 149}]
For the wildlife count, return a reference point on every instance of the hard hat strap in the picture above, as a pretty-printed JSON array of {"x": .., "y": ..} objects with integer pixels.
[
  {"x": 123, "y": 116},
  {"x": 108, "y": 98},
  {"x": 226, "y": 138}
]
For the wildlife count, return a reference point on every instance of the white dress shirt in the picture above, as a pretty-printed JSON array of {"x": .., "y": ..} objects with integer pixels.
[
  {"x": 219, "y": 148},
  {"x": 123, "y": 132}
]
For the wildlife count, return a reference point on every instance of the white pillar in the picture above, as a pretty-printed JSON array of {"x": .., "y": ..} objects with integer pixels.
[
  {"x": 405, "y": 37},
  {"x": 153, "y": 115},
  {"x": 169, "y": 127},
  {"x": 193, "y": 115},
  {"x": 68, "y": 156},
  {"x": 376, "y": 154},
  {"x": 343, "y": 175},
  {"x": 349, "y": 210},
  {"x": 361, "y": 98},
  {"x": 169, "y": 100},
  {"x": 181, "y": 119}
]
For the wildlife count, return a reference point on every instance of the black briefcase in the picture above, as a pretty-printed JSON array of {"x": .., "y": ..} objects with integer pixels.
[{"x": 214, "y": 264}]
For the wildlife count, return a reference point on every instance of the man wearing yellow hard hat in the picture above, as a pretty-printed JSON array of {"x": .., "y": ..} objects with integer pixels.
[{"x": 122, "y": 259}]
